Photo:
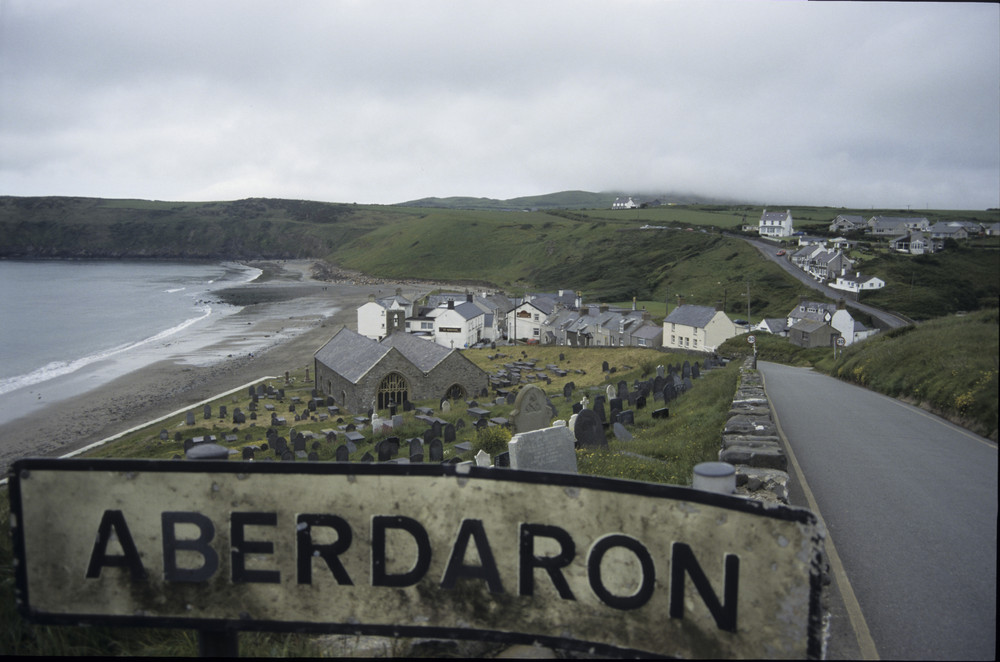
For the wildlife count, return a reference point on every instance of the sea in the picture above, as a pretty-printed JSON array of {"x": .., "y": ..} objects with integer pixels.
[{"x": 67, "y": 326}]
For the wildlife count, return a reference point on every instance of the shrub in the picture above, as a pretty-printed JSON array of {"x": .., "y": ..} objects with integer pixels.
[{"x": 491, "y": 440}]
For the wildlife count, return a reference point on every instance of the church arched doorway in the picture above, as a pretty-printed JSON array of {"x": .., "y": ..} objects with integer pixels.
[{"x": 392, "y": 389}]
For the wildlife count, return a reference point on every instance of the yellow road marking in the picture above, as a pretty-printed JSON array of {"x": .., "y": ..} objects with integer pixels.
[{"x": 851, "y": 604}]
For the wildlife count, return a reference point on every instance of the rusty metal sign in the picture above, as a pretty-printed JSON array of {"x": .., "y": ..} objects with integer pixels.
[{"x": 569, "y": 561}]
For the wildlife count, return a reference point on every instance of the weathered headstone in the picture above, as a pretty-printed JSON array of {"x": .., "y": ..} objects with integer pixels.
[
  {"x": 589, "y": 429},
  {"x": 502, "y": 459},
  {"x": 659, "y": 371},
  {"x": 695, "y": 371},
  {"x": 626, "y": 417},
  {"x": 483, "y": 459},
  {"x": 531, "y": 410},
  {"x": 661, "y": 413},
  {"x": 604, "y": 366},
  {"x": 568, "y": 390},
  {"x": 342, "y": 454},
  {"x": 445, "y": 406},
  {"x": 545, "y": 449},
  {"x": 622, "y": 390},
  {"x": 367, "y": 457},
  {"x": 435, "y": 451},
  {"x": 621, "y": 434},
  {"x": 190, "y": 418},
  {"x": 449, "y": 433},
  {"x": 599, "y": 408},
  {"x": 164, "y": 435}
]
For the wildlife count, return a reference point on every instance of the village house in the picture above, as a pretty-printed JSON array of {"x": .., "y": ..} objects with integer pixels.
[
  {"x": 457, "y": 325},
  {"x": 848, "y": 223},
  {"x": 775, "y": 224},
  {"x": 839, "y": 318},
  {"x": 624, "y": 203},
  {"x": 697, "y": 328},
  {"x": 379, "y": 317},
  {"x": 916, "y": 243},
  {"x": 360, "y": 373},
  {"x": 858, "y": 283},
  {"x": 601, "y": 326},
  {"x": 525, "y": 320},
  {"x": 774, "y": 325},
  {"x": 892, "y": 226},
  {"x": 812, "y": 333},
  {"x": 943, "y": 230}
]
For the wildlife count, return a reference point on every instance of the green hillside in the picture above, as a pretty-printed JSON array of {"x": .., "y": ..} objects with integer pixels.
[{"x": 661, "y": 254}]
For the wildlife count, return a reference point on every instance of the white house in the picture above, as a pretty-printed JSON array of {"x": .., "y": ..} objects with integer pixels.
[
  {"x": 858, "y": 283},
  {"x": 458, "y": 325},
  {"x": 524, "y": 322},
  {"x": 697, "y": 328},
  {"x": 848, "y": 223},
  {"x": 775, "y": 224},
  {"x": 624, "y": 203},
  {"x": 375, "y": 319}
]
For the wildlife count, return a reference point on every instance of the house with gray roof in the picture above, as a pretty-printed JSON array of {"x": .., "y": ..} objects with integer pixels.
[
  {"x": 896, "y": 226},
  {"x": 381, "y": 316},
  {"x": 848, "y": 223},
  {"x": 697, "y": 328},
  {"x": 360, "y": 373},
  {"x": 775, "y": 224}
]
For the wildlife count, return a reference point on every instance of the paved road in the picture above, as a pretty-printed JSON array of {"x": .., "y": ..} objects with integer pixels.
[
  {"x": 910, "y": 502},
  {"x": 886, "y": 319}
]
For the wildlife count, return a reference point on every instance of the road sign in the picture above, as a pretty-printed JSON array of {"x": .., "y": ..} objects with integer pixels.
[
  {"x": 751, "y": 339},
  {"x": 416, "y": 551},
  {"x": 841, "y": 341}
]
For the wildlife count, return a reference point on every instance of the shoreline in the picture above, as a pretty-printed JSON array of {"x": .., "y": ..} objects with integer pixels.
[{"x": 141, "y": 396}]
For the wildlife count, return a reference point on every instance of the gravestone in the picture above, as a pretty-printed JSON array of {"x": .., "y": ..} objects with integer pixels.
[
  {"x": 416, "y": 447},
  {"x": 659, "y": 371},
  {"x": 164, "y": 435},
  {"x": 621, "y": 434},
  {"x": 435, "y": 451},
  {"x": 604, "y": 366},
  {"x": 599, "y": 408},
  {"x": 287, "y": 456},
  {"x": 407, "y": 405},
  {"x": 661, "y": 413},
  {"x": 545, "y": 449},
  {"x": 387, "y": 449},
  {"x": 577, "y": 407},
  {"x": 248, "y": 452},
  {"x": 669, "y": 392},
  {"x": 342, "y": 454},
  {"x": 686, "y": 369},
  {"x": 626, "y": 417},
  {"x": 367, "y": 457},
  {"x": 622, "y": 390},
  {"x": 640, "y": 402},
  {"x": 615, "y": 403},
  {"x": 531, "y": 410},
  {"x": 313, "y": 456},
  {"x": 502, "y": 459},
  {"x": 239, "y": 418},
  {"x": 445, "y": 406},
  {"x": 437, "y": 428},
  {"x": 610, "y": 392},
  {"x": 695, "y": 371},
  {"x": 568, "y": 391},
  {"x": 589, "y": 430},
  {"x": 208, "y": 411},
  {"x": 687, "y": 384},
  {"x": 483, "y": 459},
  {"x": 190, "y": 418},
  {"x": 223, "y": 411},
  {"x": 449, "y": 433}
]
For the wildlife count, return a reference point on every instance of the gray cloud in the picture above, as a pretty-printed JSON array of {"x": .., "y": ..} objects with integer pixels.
[{"x": 846, "y": 104}]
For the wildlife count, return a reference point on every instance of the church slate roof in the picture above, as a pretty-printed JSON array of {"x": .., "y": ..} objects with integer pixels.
[{"x": 352, "y": 355}]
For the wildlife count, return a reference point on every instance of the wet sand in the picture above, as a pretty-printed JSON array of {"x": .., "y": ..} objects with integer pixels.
[{"x": 167, "y": 386}]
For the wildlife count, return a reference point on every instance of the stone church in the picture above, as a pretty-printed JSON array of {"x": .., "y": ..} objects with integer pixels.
[{"x": 361, "y": 373}]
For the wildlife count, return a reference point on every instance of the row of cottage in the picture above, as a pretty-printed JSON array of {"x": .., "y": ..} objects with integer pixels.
[
  {"x": 458, "y": 321},
  {"x": 915, "y": 236}
]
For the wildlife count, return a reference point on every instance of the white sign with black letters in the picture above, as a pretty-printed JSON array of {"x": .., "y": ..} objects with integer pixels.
[{"x": 416, "y": 550}]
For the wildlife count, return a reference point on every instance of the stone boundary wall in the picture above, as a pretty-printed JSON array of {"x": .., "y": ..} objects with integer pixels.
[{"x": 750, "y": 441}]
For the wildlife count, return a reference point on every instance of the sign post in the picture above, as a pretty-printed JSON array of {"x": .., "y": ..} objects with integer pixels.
[{"x": 568, "y": 561}]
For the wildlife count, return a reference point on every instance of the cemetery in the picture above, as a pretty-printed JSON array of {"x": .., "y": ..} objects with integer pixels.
[{"x": 644, "y": 416}]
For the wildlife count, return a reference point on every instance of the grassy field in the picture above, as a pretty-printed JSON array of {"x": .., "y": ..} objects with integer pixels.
[{"x": 663, "y": 450}]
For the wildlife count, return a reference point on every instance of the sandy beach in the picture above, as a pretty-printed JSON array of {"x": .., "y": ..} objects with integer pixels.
[{"x": 281, "y": 308}]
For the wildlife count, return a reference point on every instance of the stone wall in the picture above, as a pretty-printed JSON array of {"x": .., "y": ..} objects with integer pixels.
[{"x": 750, "y": 441}]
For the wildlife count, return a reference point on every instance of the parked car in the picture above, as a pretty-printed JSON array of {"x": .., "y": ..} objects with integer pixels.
[
  {"x": 740, "y": 322},
  {"x": 780, "y": 253}
]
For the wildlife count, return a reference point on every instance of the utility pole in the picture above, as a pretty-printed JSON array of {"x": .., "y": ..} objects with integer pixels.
[{"x": 748, "y": 304}]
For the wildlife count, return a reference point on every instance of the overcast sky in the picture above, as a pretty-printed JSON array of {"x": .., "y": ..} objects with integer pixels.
[{"x": 843, "y": 104}]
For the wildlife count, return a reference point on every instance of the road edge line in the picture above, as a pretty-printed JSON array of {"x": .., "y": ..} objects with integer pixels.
[{"x": 851, "y": 604}]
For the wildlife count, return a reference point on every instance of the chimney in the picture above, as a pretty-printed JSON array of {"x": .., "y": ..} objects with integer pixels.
[
  {"x": 579, "y": 300},
  {"x": 468, "y": 297},
  {"x": 584, "y": 311},
  {"x": 399, "y": 291},
  {"x": 645, "y": 315},
  {"x": 633, "y": 303},
  {"x": 451, "y": 304},
  {"x": 718, "y": 305},
  {"x": 371, "y": 298},
  {"x": 603, "y": 308}
]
